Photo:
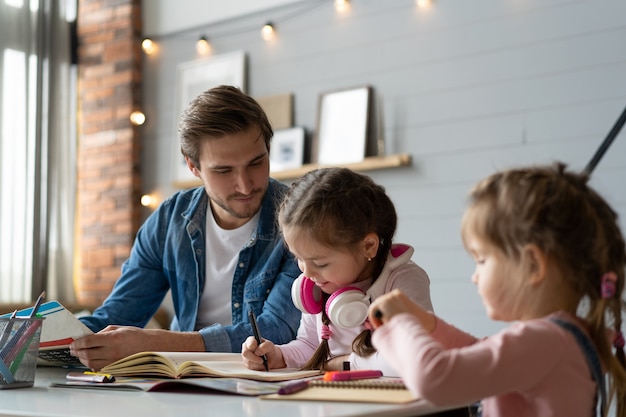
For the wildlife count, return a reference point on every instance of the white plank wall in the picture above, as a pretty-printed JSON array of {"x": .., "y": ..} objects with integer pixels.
[{"x": 466, "y": 88}]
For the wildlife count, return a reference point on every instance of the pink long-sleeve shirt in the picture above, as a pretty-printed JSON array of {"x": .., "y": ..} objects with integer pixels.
[
  {"x": 532, "y": 368},
  {"x": 402, "y": 273}
]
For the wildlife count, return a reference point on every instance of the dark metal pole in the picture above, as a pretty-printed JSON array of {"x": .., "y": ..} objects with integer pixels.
[{"x": 605, "y": 144}]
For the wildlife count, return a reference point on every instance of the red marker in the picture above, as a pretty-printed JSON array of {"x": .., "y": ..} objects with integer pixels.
[{"x": 351, "y": 375}]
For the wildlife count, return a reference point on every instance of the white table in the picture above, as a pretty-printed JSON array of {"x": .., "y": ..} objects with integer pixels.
[{"x": 43, "y": 401}]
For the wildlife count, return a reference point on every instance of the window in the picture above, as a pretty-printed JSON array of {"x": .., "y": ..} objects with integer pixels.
[{"x": 35, "y": 141}]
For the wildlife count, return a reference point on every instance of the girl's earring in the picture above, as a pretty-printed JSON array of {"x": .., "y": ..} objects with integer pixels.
[{"x": 369, "y": 259}]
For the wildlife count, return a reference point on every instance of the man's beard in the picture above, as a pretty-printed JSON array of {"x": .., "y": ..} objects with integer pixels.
[{"x": 246, "y": 212}]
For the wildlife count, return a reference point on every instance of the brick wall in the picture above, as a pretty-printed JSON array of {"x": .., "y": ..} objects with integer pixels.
[{"x": 109, "y": 89}]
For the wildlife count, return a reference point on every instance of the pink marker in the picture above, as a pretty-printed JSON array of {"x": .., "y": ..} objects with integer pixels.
[{"x": 351, "y": 375}]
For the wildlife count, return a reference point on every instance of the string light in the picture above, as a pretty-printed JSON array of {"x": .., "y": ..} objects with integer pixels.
[
  {"x": 268, "y": 31},
  {"x": 148, "y": 46},
  {"x": 342, "y": 5},
  {"x": 137, "y": 118},
  {"x": 203, "y": 47}
]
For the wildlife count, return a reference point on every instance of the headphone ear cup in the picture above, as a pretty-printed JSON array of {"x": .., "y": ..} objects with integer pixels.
[
  {"x": 306, "y": 296},
  {"x": 347, "y": 307}
]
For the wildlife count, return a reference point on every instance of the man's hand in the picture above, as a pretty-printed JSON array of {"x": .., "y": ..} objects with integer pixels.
[{"x": 116, "y": 342}]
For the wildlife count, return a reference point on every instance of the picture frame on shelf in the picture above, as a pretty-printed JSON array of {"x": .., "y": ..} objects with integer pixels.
[
  {"x": 193, "y": 78},
  {"x": 343, "y": 125},
  {"x": 279, "y": 109},
  {"x": 287, "y": 149}
]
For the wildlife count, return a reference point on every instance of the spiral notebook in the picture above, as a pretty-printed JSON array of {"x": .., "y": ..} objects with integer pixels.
[{"x": 376, "y": 390}]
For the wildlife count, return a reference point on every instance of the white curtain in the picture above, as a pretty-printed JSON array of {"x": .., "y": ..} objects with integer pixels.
[{"x": 37, "y": 149}]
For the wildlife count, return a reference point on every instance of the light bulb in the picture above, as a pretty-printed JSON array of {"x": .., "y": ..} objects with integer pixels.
[
  {"x": 423, "y": 3},
  {"x": 137, "y": 118},
  {"x": 267, "y": 32},
  {"x": 148, "y": 46},
  {"x": 148, "y": 200},
  {"x": 203, "y": 47},
  {"x": 342, "y": 5}
]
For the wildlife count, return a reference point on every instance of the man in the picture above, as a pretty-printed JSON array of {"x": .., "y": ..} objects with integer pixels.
[{"x": 216, "y": 247}]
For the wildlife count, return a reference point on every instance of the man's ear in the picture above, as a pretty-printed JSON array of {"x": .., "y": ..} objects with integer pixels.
[
  {"x": 195, "y": 171},
  {"x": 535, "y": 262}
]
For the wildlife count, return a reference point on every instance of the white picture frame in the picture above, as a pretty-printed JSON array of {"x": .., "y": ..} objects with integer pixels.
[
  {"x": 193, "y": 78},
  {"x": 287, "y": 149},
  {"x": 343, "y": 126}
]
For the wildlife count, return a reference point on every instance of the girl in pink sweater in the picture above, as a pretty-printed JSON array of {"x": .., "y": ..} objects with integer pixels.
[
  {"x": 339, "y": 225},
  {"x": 550, "y": 258}
]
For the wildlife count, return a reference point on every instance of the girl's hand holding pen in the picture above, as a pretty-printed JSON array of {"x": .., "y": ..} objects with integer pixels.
[
  {"x": 252, "y": 354},
  {"x": 395, "y": 302}
]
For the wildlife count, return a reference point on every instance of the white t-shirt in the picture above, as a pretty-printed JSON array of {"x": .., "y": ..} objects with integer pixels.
[{"x": 222, "y": 254}]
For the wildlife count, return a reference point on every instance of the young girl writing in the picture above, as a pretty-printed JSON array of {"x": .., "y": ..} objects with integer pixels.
[
  {"x": 549, "y": 256},
  {"x": 339, "y": 225}
]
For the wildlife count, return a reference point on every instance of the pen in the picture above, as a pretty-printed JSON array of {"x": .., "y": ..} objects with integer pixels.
[
  {"x": 40, "y": 299},
  {"x": 17, "y": 354},
  {"x": 293, "y": 387},
  {"x": 257, "y": 335},
  {"x": 351, "y": 375}
]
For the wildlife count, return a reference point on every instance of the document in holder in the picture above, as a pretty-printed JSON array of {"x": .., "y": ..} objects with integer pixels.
[{"x": 60, "y": 328}]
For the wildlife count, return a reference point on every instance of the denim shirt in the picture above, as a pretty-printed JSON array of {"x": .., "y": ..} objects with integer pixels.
[{"x": 169, "y": 253}]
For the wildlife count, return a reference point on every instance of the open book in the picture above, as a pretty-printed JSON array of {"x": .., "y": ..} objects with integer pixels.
[
  {"x": 59, "y": 329},
  {"x": 238, "y": 386},
  {"x": 196, "y": 364}
]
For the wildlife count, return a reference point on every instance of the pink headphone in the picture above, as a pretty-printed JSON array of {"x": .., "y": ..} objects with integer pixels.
[{"x": 346, "y": 307}]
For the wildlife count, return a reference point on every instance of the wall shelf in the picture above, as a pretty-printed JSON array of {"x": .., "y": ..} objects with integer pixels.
[{"x": 368, "y": 164}]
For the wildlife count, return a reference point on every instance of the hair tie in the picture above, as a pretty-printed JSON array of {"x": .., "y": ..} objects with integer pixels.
[
  {"x": 618, "y": 340},
  {"x": 609, "y": 281},
  {"x": 368, "y": 325},
  {"x": 326, "y": 332}
]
